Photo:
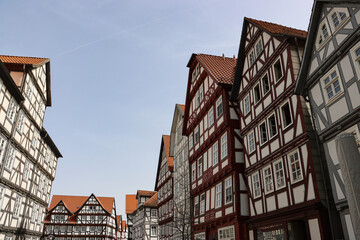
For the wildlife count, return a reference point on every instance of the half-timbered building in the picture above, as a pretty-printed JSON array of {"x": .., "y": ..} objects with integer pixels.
[
  {"x": 282, "y": 163},
  {"x": 81, "y": 217},
  {"x": 124, "y": 230},
  {"x": 130, "y": 208},
  {"x": 164, "y": 187},
  {"x": 329, "y": 78},
  {"x": 28, "y": 156},
  {"x": 181, "y": 186},
  {"x": 145, "y": 217},
  {"x": 211, "y": 122}
]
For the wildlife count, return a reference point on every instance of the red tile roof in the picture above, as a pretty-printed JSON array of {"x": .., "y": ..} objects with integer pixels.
[
  {"x": 23, "y": 60},
  {"x": 123, "y": 226},
  {"x": 74, "y": 203},
  {"x": 221, "y": 68},
  {"x": 145, "y": 193},
  {"x": 131, "y": 203},
  {"x": 152, "y": 202},
  {"x": 182, "y": 107},
  {"x": 166, "y": 139},
  {"x": 278, "y": 29}
]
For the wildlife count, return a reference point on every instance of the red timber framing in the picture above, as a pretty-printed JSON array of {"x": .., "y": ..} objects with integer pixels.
[
  {"x": 216, "y": 162},
  {"x": 282, "y": 164},
  {"x": 81, "y": 217},
  {"x": 164, "y": 187}
]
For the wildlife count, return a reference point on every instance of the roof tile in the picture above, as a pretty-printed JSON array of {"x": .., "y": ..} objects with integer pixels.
[
  {"x": 131, "y": 203},
  {"x": 23, "y": 60},
  {"x": 152, "y": 202}
]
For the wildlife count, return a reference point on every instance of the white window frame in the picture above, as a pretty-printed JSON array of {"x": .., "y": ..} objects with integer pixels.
[
  {"x": 254, "y": 93},
  {"x": 263, "y": 131},
  {"x": 26, "y": 170},
  {"x": 201, "y": 93},
  {"x": 271, "y": 136},
  {"x": 321, "y": 35},
  {"x": 215, "y": 153},
  {"x": 250, "y": 141},
  {"x": 226, "y": 233},
  {"x": 193, "y": 172},
  {"x": 298, "y": 167},
  {"x": 256, "y": 185},
  {"x": 17, "y": 205},
  {"x": 258, "y": 50},
  {"x": 2, "y": 147},
  {"x": 341, "y": 21},
  {"x": 282, "y": 115},
  {"x": 224, "y": 146},
  {"x": 228, "y": 192},
  {"x": 247, "y": 106},
  {"x": 281, "y": 172},
  {"x": 331, "y": 84},
  {"x": 196, "y": 135},
  {"x": 268, "y": 179},
  {"x": 356, "y": 58},
  {"x": 11, "y": 111},
  {"x": 2, "y": 195},
  {"x": 251, "y": 57},
  {"x": 263, "y": 85},
  {"x": 202, "y": 203},
  {"x": 211, "y": 119},
  {"x": 277, "y": 78},
  {"x": 191, "y": 143},
  {"x": 199, "y": 236},
  {"x": 218, "y": 195},
  {"x": 196, "y": 206},
  {"x": 195, "y": 72},
  {"x": 219, "y": 102},
  {"x": 200, "y": 166},
  {"x": 153, "y": 228},
  {"x": 20, "y": 123},
  {"x": 10, "y": 158}
]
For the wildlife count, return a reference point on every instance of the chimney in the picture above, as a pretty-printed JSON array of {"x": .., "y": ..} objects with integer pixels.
[
  {"x": 234, "y": 58},
  {"x": 223, "y": 56}
]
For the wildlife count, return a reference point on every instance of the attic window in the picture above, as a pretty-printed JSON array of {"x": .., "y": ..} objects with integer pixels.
[
  {"x": 252, "y": 57},
  {"x": 338, "y": 16},
  {"x": 324, "y": 34},
  {"x": 195, "y": 72},
  {"x": 258, "y": 47}
]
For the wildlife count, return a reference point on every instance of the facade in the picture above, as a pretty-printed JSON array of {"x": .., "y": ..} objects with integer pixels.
[
  {"x": 124, "y": 230},
  {"x": 181, "y": 188},
  {"x": 131, "y": 205},
  {"x": 145, "y": 217},
  {"x": 81, "y": 217},
  {"x": 164, "y": 187},
  {"x": 282, "y": 164},
  {"x": 329, "y": 77},
  {"x": 216, "y": 162},
  {"x": 28, "y": 156}
]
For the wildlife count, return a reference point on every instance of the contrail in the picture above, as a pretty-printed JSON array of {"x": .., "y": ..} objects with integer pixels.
[{"x": 133, "y": 28}]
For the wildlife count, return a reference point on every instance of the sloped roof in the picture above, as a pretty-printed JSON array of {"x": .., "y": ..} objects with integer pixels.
[
  {"x": 182, "y": 107},
  {"x": 278, "y": 29},
  {"x": 145, "y": 193},
  {"x": 170, "y": 160},
  {"x": 23, "y": 60},
  {"x": 152, "y": 202},
  {"x": 221, "y": 68},
  {"x": 74, "y": 203},
  {"x": 131, "y": 203}
]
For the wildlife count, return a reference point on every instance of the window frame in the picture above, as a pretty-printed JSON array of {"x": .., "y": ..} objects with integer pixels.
[
  {"x": 294, "y": 152},
  {"x": 258, "y": 53},
  {"x": 277, "y": 78},
  {"x": 256, "y": 185},
  {"x": 152, "y": 227},
  {"x": 219, "y": 102},
  {"x": 218, "y": 195},
  {"x": 211, "y": 118},
  {"x": 268, "y": 177},
  {"x": 193, "y": 171},
  {"x": 216, "y": 144},
  {"x": 200, "y": 167},
  {"x": 282, "y": 115},
  {"x": 226, "y": 193},
  {"x": 196, "y": 206},
  {"x": 202, "y": 204},
  {"x": 229, "y": 233},
  {"x": 320, "y": 34},
  {"x": 270, "y": 127},
  {"x": 196, "y": 135},
  {"x": 341, "y": 21},
  {"x": 252, "y": 57},
  {"x": 251, "y": 133},
  {"x": 356, "y": 58},
  {"x": 247, "y": 104},
  {"x": 224, "y": 146},
  {"x": 268, "y": 83},
  {"x": 262, "y": 132},
  {"x": 331, "y": 82},
  {"x": 191, "y": 141}
]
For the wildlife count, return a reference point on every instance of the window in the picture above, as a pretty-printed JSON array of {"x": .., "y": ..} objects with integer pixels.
[
  {"x": 20, "y": 123},
  {"x": 226, "y": 233},
  {"x": 258, "y": 47},
  {"x": 202, "y": 203},
  {"x": 193, "y": 172},
  {"x": 265, "y": 84},
  {"x": 199, "y": 236},
  {"x": 251, "y": 141},
  {"x": 272, "y": 125},
  {"x": 196, "y": 206},
  {"x": 338, "y": 17},
  {"x": 219, "y": 107},
  {"x": 323, "y": 34},
  {"x": 34, "y": 139},
  {"x": 29, "y": 89},
  {"x": 153, "y": 212},
  {"x": 201, "y": 93},
  {"x": 200, "y": 167},
  {"x": 211, "y": 116},
  {"x": 247, "y": 104},
  {"x": 268, "y": 179},
  {"x": 355, "y": 53},
  {"x": 153, "y": 231},
  {"x": 224, "y": 146},
  {"x": 195, "y": 72},
  {"x": 295, "y": 168},
  {"x": 251, "y": 57},
  {"x": 286, "y": 115},
  {"x": 11, "y": 110},
  {"x": 2, "y": 194},
  {"x": 10, "y": 158},
  {"x": 228, "y": 190},
  {"x": 26, "y": 170},
  {"x": 278, "y": 70},
  {"x": 332, "y": 84},
  {"x": 17, "y": 206},
  {"x": 2, "y": 147},
  {"x": 215, "y": 153},
  {"x": 218, "y": 199},
  {"x": 257, "y": 93},
  {"x": 191, "y": 141},
  {"x": 256, "y": 185},
  {"x": 196, "y": 135},
  {"x": 263, "y": 133}
]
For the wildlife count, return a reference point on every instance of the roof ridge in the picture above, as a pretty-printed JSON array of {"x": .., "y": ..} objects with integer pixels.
[
  {"x": 4, "y": 55},
  {"x": 212, "y": 55}
]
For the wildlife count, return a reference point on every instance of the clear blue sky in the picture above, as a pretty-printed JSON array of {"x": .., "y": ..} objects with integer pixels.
[{"x": 117, "y": 69}]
